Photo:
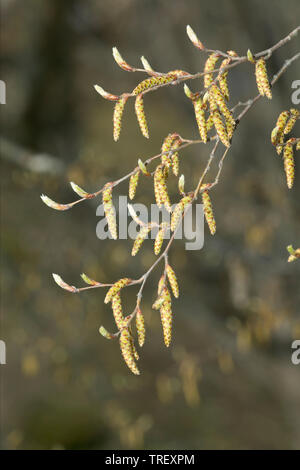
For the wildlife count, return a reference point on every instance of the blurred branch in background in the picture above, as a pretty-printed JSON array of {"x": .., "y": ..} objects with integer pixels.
[{"x": 35, "y": 162}]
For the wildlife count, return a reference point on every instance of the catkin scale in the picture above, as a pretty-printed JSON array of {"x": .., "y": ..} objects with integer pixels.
[
  {"x": 140, "y": 113},
  {"x": 109, "y": 210},
  {"x": 127, "y": 350}
]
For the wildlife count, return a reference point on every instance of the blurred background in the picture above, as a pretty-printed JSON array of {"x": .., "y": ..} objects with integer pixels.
[{"x": 227, "y": 381}]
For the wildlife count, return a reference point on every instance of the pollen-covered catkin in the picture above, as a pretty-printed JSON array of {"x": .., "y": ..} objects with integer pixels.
[
  {"x": 160, "y": 188},
  {"x": 220, "y": 128},
  {"x": 208, "y": 212},
  {"x": 223, "y": 79},
  {"x": 116, "y": 305},
  {"x": 140, "y": 327},
  {"x": 200, "y": 118},
  {"x": 175, "y": 157},
  {"x": 166, "y": 316},
  {"x": 178, "y": 211},
  {"x": 166, "y": 147},
  {"x": 282, "y": 120},
  {"x": 140, "y": 113},
  {"x": 209, "y": 66},
  {"x": 220, "y": 100},
  {"x": 152, "y": 82},
  {"x": 115, "y": 288},
  {"x": 262, "y": 80},
  {"x": 140, "y": 238},
  {"x": 294, "y": 115},
  {"x": 160, "y": 238},
  {"x": 289, "y": 164},
  {"x": 133, "y": 182},
  {"x": 127, "y": 351},
  {"x": 172, "y": 280},
  {"x": 109, "y": 210},
  {"x": 117, "y": 118}
]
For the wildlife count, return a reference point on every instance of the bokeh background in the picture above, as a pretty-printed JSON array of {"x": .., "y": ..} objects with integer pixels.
[{"x": 227, "y": 381}]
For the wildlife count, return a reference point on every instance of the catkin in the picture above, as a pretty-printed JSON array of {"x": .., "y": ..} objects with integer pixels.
[
  {"x": 208, "y": 212},
  {"x": 117, "y": 118},
  {"x": 140, "y": 113},
  {"x": 140, "y": 327},
  {"x": 160, "y": 238},
  {"x": 133, "y": 182},
  {"x": 220, "y": 128},
  {"x": 209, "y": 66},
  {"x": 140, "y": 238},
  {"x": 152, "y": 82},
  {"x": 295, "y": 114},
  {"x": 178, "y": 211},
  {"x": 127, "y": 350},
  {"x": 116, "y": 305},
  {"x": 200, "y": 118},
  {"x": 289, "y": 164},
  {"x": 109, "y": 210},
  {"x": 172, "y": 280},
  {"x": 175, "y": 157},
  {"x": 298, "y": 145},
  {"x": 262, "y": 80},
  {"x": 223, "y": 79},
  {"x": 160, "y": 188},
  {"x": 166, "y": 316},
  {"x": 220, "y": 100},
  {"x": 115, "y": 288},
  {"x": 166, "y": 147}
]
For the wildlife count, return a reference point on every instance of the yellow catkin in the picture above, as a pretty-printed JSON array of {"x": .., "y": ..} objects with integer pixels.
[
  {"x": 115, "y": 288},
  {"x": 223, "y": 79},
  {"x": 178, "y": 211},
  {"x": 220, "y": 100},
  {"x": 165, "y": 149},
  {"x": 209, "y": 66},
  {"x": 116, "y": 305},
  {"x": 209, "y": 122},
  {"x": 166, "y": 316},
  {"x": 298, "y": 145},
  {"x": 282, "y": 120},
  {"x": 109, "y": 210},
  {"x": 208, "y": 212},
  {"x": 230, "y": 128},
  {"x": 140, "y": 113},
  {"x": 200, "y": 118},
  {"x": 279, "y": 146},
  {"x": 175, "y": 157},
  {"x": 294, "y": 115},
  {"x": 276, "y": 136},
  {"x": 262, "y": 80},
  {"x": 140, "y": 327},
  {"x": 152, "y": 82},
  {"x": 172, "y": 280},
  {"x": 160, "y": 238},
  {"x": 133, "y": 182},
  {"x": 127, "y": 351},
  {"x": 289, "y": 164},
  {"x": 220, "y": 128},
  {"x": 160, "y": 188},
  {"x": 117, "y": 118},
  {"x": 140, "y": 238}
]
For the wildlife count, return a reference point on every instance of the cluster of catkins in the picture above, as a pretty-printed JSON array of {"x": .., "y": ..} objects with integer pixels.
[
  {"x": 213, "y": 115},
  {"x": 285, "y": 145}
]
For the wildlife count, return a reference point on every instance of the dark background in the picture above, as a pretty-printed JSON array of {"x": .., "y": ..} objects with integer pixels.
[{"x": 227, "y": 381}]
